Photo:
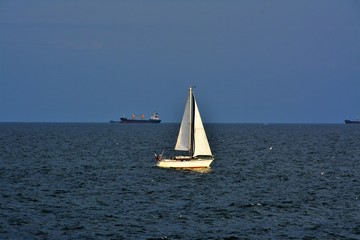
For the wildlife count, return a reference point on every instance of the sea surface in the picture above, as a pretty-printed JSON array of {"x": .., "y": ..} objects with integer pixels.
[{"x": 98, "y": 181}]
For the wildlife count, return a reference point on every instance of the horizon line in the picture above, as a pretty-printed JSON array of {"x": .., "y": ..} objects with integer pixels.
[{"x": 107, "y": 122}]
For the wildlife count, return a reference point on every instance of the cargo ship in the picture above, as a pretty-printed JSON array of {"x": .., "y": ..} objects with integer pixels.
[{"x": 134, "y": 119}]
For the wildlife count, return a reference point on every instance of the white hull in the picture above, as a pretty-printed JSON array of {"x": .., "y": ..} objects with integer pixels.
[{"x": 192, "y": 163}]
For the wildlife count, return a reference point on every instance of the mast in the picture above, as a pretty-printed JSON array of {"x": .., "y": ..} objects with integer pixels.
[{"x": 191, "y": 128}]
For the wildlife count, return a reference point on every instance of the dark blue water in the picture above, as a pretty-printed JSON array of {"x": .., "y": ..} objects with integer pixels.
[{"x": 98, "y": 181}]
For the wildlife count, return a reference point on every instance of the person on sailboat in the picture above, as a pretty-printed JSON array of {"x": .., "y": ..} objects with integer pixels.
[{"x": 158, "y": 157}]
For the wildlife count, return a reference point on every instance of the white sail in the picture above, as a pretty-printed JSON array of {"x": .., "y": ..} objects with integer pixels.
[
  {"x": 183, "y": 142},
  {"x": 201, "y": 144}
]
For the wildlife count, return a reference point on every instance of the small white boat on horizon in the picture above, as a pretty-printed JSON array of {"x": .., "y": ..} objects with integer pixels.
[{"x": 191, "y": 138}]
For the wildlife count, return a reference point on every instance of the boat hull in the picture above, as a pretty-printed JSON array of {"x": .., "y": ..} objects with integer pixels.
[
  {"x": 192, "y": 163},
  {"x": 352, "y": 121}
]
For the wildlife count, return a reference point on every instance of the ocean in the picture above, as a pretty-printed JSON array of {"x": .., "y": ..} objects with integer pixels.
[{"x": 98, "y": 181}]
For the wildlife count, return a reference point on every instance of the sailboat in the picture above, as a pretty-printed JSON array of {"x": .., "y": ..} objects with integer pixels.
[{"x": 191, "y": 138}]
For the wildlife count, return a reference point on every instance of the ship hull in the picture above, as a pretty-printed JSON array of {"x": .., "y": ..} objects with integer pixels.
[
  {"x": 125, "y": 120},
  {"x": 352, "y": 121}
]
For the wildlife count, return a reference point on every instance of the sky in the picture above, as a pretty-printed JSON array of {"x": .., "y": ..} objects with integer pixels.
[{"x": 252, "y": 61}]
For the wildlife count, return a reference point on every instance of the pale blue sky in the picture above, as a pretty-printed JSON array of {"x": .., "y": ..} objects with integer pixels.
[{"x": 252, "y": 61}]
